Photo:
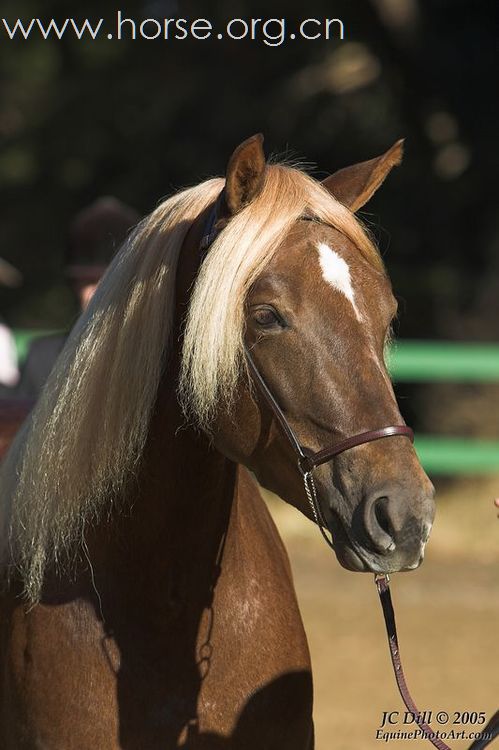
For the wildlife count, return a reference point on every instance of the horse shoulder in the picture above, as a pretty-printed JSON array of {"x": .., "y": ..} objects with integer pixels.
[{"x": 49, "y": 657}]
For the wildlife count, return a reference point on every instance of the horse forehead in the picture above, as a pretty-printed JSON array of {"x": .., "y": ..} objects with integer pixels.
[
  {"x": 335, "y": 270},
  {"x": 298, "y": 259},
  {"x": 329, "y": 259},
  {"x": 320, "y": 263}
]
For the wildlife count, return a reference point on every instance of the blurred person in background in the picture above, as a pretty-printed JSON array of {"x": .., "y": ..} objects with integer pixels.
[
  {"x": 9, "y": 371},
  {"x": 94, "y": 236}
]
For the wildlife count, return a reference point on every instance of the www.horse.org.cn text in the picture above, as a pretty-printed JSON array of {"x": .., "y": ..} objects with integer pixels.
[{"x": 272, "y": 32}]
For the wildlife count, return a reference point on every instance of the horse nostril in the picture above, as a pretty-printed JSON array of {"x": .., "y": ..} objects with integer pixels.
[
  {"x": 381, "y": 514},
  {"x": 378, "y": 525}
]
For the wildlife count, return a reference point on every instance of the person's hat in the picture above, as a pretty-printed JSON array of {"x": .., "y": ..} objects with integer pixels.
[
  {"x": 94, "y": 236},
  {"x": 9, "y": 276}
]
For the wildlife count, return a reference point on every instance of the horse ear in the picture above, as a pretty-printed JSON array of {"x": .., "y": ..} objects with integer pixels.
[
  {"x": 355, "y": 185},
  {"x": 245, "y": 174}
]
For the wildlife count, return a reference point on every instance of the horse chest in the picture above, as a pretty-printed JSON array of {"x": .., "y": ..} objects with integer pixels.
[{"x": 69, "y": 684}]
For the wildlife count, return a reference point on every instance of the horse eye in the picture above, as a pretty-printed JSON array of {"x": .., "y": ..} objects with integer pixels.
[{"x": 266, "y": 317}]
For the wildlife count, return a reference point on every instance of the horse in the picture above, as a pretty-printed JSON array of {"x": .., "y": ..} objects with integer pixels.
[{"x": 147, "y": 598}]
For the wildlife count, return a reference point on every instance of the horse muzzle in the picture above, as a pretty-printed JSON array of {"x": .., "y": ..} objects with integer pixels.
[{"x": 387, "y": 533}]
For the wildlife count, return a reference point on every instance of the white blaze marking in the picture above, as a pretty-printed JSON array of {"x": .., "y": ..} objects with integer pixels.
[{"x": 337, "y": 273}]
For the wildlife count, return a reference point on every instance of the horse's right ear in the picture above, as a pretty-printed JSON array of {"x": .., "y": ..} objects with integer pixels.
[
  {"x": 354, "y": 186},
  {"x": 245, "y": 174}
]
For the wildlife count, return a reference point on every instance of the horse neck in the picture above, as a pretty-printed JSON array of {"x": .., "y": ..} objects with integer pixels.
[
  {"x": 188, "y": 485},
  {"x": 175, "y": 519}
]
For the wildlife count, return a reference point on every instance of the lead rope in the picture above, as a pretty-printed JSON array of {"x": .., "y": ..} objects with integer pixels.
[
  {"x": 487, "y": 734},
  {"x": 382, "y": 584}
]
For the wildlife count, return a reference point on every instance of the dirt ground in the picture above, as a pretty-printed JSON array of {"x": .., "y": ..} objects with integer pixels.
[{"x": 448, "y": 621}]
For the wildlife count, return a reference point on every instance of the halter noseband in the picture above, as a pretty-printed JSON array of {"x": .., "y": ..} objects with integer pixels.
[{"x": 308, "y": 461}]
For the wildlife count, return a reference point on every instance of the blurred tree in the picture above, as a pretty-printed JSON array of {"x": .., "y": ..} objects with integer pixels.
[{"x": 139, "y": 119}]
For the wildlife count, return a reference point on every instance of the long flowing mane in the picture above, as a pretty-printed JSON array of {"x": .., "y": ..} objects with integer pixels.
[{"x": 88, "y": 430}]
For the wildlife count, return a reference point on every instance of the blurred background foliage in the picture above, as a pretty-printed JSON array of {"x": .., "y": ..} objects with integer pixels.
[{"x": 139, "y": 119}]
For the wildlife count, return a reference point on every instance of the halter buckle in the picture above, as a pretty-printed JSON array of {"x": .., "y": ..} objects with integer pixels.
[{"x": 304, "y": 465}]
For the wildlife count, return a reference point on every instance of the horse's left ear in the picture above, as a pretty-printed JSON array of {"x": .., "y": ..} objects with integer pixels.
[
  {"x": 245, "y": 174},
  {"x": 355, "y": 185}
]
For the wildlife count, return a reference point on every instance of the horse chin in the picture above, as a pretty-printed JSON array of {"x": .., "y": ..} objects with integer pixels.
[
  {"x": 364, "y": 562},
  {"x": 344, "y": 549},
  {"x": 349, "y": 559}
]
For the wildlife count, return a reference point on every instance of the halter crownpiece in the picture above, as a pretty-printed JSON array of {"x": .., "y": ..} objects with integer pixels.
[{"x": 210, "y": 231}]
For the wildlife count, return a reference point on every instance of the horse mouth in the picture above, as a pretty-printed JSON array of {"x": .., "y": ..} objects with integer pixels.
[
  {"x": 349, "y": 559},
  {"x": 346, "y": 551},
  {"x": 354, "y": 557}
]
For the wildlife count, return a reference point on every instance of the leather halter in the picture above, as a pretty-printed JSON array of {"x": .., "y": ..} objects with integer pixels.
[{"x": 307, "y": 461}]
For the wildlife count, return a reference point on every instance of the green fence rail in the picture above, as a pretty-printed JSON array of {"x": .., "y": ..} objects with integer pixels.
[
  {"x": 418, "y": 361},
  {"x": 443, "y": 361},
  {"x": 23, "y": 338},
  {"x": 422, "y": 361},
  {"x": 448, "y": 456}
]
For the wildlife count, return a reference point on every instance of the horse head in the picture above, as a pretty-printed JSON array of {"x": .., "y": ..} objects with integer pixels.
[{"x": 315, "y": 312}]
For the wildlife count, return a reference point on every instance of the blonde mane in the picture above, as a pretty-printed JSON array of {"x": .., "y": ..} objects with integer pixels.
[{"x": 88, "y": 430}]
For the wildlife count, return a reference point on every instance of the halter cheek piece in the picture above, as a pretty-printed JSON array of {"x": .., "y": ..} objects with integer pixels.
[{"x": 307, "y": 461}]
